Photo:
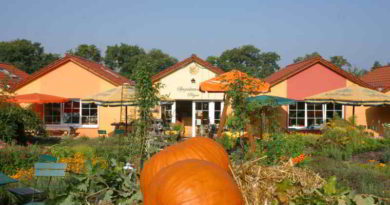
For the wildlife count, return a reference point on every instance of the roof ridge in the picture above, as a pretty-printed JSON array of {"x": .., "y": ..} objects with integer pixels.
[
  {"x": 107, "y": 69},
  {"x": 296, "y": 68},
  {"x": 178, "y": 65},
  {"x": 91, "y": 66}
]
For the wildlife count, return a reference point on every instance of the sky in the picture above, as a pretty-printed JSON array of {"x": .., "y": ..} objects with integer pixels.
[{"x": 359, "y": 30}]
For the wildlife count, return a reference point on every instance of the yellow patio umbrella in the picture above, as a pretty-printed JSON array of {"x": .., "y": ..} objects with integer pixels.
[
  {"x": 352, "y": 95},
  {"x": 120, "y": 96}
]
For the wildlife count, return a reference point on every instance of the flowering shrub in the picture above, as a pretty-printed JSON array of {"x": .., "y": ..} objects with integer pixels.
[
  {"x": 298, "y": 159},
  {"x": 24, "y": 174},
  {"x": 75, "y": 163}
]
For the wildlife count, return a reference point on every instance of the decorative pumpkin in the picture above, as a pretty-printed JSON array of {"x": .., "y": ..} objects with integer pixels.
[
  {"x": 193, "y": 182},
  {"x": 195, "y": 148}
]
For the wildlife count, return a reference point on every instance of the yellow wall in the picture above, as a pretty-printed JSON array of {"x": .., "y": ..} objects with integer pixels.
[
  {"x": 280, "y": 90},
  {"x": 178, "y": 85},
  {"x": 73, "y": 81}
]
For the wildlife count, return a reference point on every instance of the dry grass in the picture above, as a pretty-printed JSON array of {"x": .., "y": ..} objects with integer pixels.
[{"x": 262, "y": 184}]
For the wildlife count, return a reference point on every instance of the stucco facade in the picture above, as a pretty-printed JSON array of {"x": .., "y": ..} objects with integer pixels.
[
  {"x": 187, "y": 103},
  {"x": 73, "y": 81}
]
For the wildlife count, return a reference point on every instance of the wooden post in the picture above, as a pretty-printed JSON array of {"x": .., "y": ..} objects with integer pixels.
[
  {"x": 126, "y": 119},
  {"x": 223, "y": 117}
]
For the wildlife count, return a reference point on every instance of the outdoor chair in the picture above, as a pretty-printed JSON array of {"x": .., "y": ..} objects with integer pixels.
[
  {"x": 119, "y": 132},
  {"x": 41, "y": 169},
  {"x": 47, "y": 158},
  {"x": 102, "y": 133}
]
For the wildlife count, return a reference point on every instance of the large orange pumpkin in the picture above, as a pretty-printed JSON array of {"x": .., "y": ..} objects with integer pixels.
[
  {"x": 195, "y": 148},
  {"x": 193, "y": 182}
]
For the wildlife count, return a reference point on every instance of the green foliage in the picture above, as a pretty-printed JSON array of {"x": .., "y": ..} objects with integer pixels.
[
  {"x": 385, "y": 157},
  {"x": 376, "y": 65},
  {"x": 26, "y": 55},
  {"x": 15, "y": 121},
  {"x": 364, "y": 179},
  {"x": 227, "y": 142},
  {"x": 113, "y": 185},
  {"x": 124, "y": 58},
  {"x": 90, "y": 52},
  {"x": 17, "y": 157},
  {"x": 340, "y": 62},
  {"x": 147, "y": 98},
  {"x": 341, "y": 142},
  {"x": 248, "y": 59},
  {"x": 282, "y": 145},
  {"x": 61, "y": 151},
  {"x": 306, "y": 57},
  {"x": 178, "y": 127},
  {"x": 331, "y": 194}
]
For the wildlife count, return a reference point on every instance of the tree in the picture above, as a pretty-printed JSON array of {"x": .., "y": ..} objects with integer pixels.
[
  {"x": 248, "y": 59},
  {"x": 307, "y": 56},
  {"x": 90, "y": 52},
  {"x": 340, "y": 62},
  {"x": 123, "y": 58},
  {"x": 356, "y": 71},
  {"x": 26, "y": 55},
  {"x": 147, "y": 98},
  {"x": 376, "y": 65},
  {"x": 160, "y": 60}
]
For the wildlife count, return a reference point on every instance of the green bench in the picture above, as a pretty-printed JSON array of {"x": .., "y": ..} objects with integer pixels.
[
  {"x": 41, "y": 169},
  {"x": 4, "y": 179}
]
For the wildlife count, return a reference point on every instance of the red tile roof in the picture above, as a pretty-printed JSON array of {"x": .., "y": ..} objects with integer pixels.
[
  {"x": 12, "y": 74},
  {"x": 95, "y": 68},
  {"x": 293, "y": 69},
  {"x": 185, "y": 62},
  {"x": 378, "y": 78}
]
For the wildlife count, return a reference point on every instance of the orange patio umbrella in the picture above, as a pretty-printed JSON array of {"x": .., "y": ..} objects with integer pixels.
[
  {"x": 221, "y": 84},
  {"x": 37, "y": 98}
]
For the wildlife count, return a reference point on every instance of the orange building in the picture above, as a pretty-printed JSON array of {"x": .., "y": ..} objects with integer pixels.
[
  {"x": 11, "y": 75},
  {"x": 74, "y": 78}
]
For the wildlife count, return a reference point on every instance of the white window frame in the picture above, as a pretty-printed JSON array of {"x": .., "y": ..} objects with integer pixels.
[
  {"x": 306, "y": 119},
  {"x": 79, "y": 125}
]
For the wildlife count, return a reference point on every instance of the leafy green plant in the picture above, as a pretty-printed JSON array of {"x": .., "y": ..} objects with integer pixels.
[
  {"x": 15, "y": 121},
  {"x": 113, "y": 185},
  {"x": 17, "y": 157},
  {"x": 227, "y": 142}
]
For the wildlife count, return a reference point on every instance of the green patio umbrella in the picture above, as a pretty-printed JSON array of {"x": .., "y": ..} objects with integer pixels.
[{"x": 271, "y": 100}]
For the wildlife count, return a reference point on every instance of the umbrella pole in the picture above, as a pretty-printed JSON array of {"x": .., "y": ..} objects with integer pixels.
[
  {"x": 126, "y": 119},
  {"x": 353, "y": 114},
  {"x": 223, "y": 117}
]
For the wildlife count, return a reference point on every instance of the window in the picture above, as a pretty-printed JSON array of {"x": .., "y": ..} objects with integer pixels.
[
  {"x": 297, "y": 115},
  {"x": 304, "y": 114},
  {"x": 202, "y": 112},
  {"x": 217, "y": 115},
  {"x": 52, "y": 113},
  {"x": 314, "y": 114},
  {"x": 166, "y": 113},
  {"x": 89, "y": 114},
  {"x": 332, "y": 109},
  {"x": 71, "y": 112}
]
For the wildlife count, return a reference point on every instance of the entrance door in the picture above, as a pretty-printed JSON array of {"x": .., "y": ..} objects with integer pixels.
[
  {"x": 184, "y": 115},
  {"x": 202, "y": 118}
]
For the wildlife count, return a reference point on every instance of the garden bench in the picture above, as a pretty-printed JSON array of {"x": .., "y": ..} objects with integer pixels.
[
  {"x": 41, "y": 169},
  {"x": 47, "y": 158},
  {"x": 4, "y": 179}
]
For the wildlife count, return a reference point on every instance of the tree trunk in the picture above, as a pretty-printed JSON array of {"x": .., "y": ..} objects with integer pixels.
[{"x": 223, "y": 117}]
